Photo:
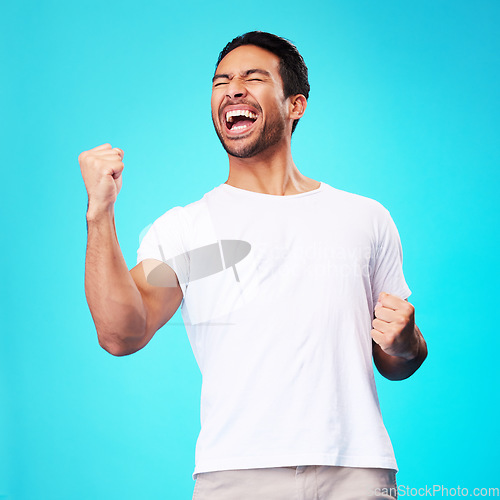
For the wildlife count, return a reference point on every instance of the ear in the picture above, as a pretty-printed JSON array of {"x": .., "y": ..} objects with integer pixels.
[{"x": 298, "y": 105}]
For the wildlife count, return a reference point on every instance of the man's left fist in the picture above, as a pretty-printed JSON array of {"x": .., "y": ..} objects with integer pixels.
[{"x": 394, "y": 327}]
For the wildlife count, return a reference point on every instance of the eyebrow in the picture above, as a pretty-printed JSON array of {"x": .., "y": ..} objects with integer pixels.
[{"x": 245, "y": 73}]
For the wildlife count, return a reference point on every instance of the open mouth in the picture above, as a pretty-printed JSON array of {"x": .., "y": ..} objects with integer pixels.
[{"x": 239, "y": 120}]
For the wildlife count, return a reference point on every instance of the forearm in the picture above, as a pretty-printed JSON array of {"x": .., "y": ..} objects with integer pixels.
[
  {"x": 399, "y": 368},
  {"x": 115, "y": 302}
]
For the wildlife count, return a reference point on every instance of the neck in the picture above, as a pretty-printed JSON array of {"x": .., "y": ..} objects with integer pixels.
[{"x": 270, "y": 172}]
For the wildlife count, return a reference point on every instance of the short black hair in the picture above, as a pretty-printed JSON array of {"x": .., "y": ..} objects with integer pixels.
[{"x": 293, "y": 69}]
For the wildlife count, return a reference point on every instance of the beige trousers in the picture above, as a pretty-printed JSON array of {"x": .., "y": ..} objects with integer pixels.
[{"x": 303, "y": 482}]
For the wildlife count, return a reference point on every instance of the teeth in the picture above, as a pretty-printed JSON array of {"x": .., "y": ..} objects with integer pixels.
[{"x": 240, "y": 112}]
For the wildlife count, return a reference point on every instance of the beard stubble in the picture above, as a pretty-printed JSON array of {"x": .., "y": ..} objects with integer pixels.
[{"x": 270, "y": 135}]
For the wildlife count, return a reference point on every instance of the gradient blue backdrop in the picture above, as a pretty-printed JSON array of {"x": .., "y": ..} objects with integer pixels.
[{"x": 404, "y": 108}]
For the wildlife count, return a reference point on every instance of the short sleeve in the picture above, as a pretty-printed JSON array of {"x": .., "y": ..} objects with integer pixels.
[
  {"x": 165, "y": 241},
  {"x": 388, "y": 267}
]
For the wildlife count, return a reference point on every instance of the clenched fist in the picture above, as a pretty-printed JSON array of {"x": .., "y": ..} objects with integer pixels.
[
  {"x": 394, "y": 327},
  {"x": 101, "y": 169}
]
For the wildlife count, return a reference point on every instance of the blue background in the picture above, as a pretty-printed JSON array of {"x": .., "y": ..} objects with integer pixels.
[{"x": 404, "y": 108}]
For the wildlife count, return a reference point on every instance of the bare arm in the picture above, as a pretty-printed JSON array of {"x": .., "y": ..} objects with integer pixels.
[{"x": 126, "y": 310}]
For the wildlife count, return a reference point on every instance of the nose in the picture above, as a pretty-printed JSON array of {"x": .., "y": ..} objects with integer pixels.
[{"x": 235, "y": 89}]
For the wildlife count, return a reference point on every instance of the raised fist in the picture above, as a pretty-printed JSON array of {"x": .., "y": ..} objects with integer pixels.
[{"x": 101, "y": 169}]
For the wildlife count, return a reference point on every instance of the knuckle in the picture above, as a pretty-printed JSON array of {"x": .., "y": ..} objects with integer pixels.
[
  {"x": 409, "y": 308},
  {"x": 401, "y": 320}
]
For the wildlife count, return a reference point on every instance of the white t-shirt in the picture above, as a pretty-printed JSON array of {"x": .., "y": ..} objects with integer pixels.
[{"x": 278, "y": 300}]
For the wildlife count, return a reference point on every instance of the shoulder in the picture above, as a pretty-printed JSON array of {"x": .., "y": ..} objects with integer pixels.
[
  {"x": 189, "y": 223},
  {"x": 183, "y": 214},
  {"x": 356, "y": 203}
]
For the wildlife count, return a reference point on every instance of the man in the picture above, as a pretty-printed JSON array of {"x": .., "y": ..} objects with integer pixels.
[{"x": 288, "y": 287}]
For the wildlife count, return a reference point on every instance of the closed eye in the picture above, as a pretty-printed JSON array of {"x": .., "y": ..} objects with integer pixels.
[{"x": 219, "y": 84}]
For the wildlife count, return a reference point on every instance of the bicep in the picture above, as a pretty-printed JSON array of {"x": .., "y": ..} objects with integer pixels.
[{"x": 160, "y": 291}]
